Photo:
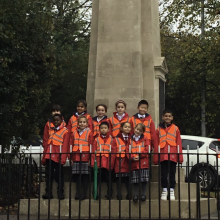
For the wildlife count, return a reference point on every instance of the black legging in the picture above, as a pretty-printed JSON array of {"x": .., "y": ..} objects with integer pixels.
[{"x": 81, "y": 188}]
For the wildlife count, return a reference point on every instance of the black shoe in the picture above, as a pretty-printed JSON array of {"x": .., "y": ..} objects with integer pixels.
[
  {"x": 47, "y": 196},
  {"x": 61, "y": 196},
  {"x": 119, "y": 197},
  {"x": 77, "y": 196},
  {"x": 135, "y": 198},
  {"x": 83, "y": 197},
  {"x": 128, "y": 197},
  {"x": 107, "y": 197},
  {"x": 143, "y": 198}
]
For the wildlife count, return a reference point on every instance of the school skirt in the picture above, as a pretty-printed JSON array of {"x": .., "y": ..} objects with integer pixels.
[
  {"x": 80, "y": 167},
  {"x": 144, "y": 176}
]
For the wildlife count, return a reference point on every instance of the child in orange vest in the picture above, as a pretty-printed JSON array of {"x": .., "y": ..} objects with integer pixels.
[
  {"x": 121, "y": 162},
  {"x": 143, "y": 117},
  {"x": 58, "y": 142},
  {"x": 139, "y": 147},
  {"x": 101, "y": 110},
  {"x": 56, "y": 109},
  {"x": 81, "y": 110},
  {"x": 168, "y": 139},
  {"x": 103, "y": 147},
  {"x": 81, "y": 141},
  {"x": 118, "y": 117}
]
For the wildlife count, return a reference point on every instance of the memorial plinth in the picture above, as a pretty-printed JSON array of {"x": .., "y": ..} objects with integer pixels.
[
  {"x": 125, "y": 56},
  {"x": 153, "y": 207}
]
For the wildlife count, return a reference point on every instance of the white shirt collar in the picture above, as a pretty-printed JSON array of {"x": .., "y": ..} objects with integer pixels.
[
  {"x": 120, "y": 117},
  {"x": 137, "y": 138},
  {"x": 141, "y": 116},
  {"x": 98, "y": 120},
  {"x": 124, "y": 136},
  {"x": 81, "y": 132},
  {"x": 79, "y": 114}
]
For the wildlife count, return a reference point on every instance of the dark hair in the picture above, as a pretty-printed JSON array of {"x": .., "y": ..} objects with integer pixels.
[
  {"x": 82, "y": 101},
  {"x": 167, "y": 111},
  {"x": 104, "y": 123},
  {"x": 123, "y": 123},
  {"x": 82, "y": 116},
  {"x": 143, "y": 102},
  {"x": 104, "y": 106},
  {"x": 120, "y": 101},
  {"x": 56, "y": 108},
  {"x": 142, "y": 126},
  {"x": 58, "y": 115}
]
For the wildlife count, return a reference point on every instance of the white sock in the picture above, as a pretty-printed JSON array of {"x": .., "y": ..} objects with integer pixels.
[
  {"x": 165, "y": 189},
  {"x": 171, "y": 189}
]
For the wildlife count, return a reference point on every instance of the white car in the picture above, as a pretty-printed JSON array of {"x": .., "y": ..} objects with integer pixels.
[
  {"x": 203, "y": 160},
  {"x": 31, "y": 155}
]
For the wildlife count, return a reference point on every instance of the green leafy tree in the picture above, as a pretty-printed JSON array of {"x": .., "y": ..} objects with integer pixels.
[{"x": 189, "y": 56}]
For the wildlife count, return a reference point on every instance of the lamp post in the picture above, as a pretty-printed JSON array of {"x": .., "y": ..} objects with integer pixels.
[{"x": 203, "y": 76}]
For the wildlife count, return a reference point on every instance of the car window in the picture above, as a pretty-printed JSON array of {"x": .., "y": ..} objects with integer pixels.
[
  {"x": 213, "y": 145},
  {"x": 192, "y": 144}
]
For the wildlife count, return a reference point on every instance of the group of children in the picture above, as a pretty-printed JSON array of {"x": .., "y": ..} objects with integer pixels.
[{"x": 120, "y": 143}]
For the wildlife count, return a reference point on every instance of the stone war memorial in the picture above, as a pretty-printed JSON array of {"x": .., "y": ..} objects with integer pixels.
[
  {"x": 125, "y": 63},
  {"x": 125, "y": 56}
]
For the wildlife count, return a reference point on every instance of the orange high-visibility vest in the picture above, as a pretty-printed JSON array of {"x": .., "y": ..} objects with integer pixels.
[
  {"x": 74, "y": 122},
  {"x": 116, "y": 125},
  {"x": 51, "y": 126},
  {"x": 119, "y": 143},
  {"x": 136, "y": 121},
  {"x": 103, "y": 148},
  {"x": 56, "y": 138},
  {"x": 137, "y": 148},
  {"x": 82, "y": 140},
  {"x": 169, "y": 137}
]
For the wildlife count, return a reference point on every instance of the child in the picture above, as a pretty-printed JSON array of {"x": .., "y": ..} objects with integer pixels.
[
  {"x": 118, "y": 117},
  {"x": 139, "y": 151},
  {"x": 81, "y": 110},
  {"x": 103, "y": 146},
  {"x": 101, "y": 110},
  {"x": 56, "y": 109},
  {"x": 122, "y": 162},
  {"x": 57, "y": 141},
  {"x": 168, "y": 139},
  {"x": 81, "y": 140},
  {"x": 144, "y": 118}
]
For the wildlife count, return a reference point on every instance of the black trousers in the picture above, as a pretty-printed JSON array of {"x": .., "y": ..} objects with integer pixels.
[
  {"x": 103, "y": 174},
  {"x": 82, "y": 185},
  {"x": 124, "y": 180},
  {"x": 165, "y": 171},
  {"x": 54, "y": 171}
]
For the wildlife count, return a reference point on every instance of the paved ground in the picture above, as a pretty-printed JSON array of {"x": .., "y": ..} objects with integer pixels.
[{"x": 3, "y": 216}]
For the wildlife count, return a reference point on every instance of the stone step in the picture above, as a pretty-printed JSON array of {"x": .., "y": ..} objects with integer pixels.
[
  {"x": 154, "y": 174},
  {"x": 134, "y": 208},
  {"x": 153, "y": 187}
]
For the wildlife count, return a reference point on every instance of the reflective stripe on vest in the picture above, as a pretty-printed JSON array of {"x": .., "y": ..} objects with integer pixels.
[
  {"x": 135, "y": 149},
  {"x": 103, "y": 148},
  {"x": 119, "y": 143},
  {"x": 116, "y": 125},
  {"x": 169, "y": 137},
  {"x": 147, "y": 126},
  {"x": 57, "y": 137},
  {"x": 81, "y": 141},
  {"x": 74, "y": 122}
]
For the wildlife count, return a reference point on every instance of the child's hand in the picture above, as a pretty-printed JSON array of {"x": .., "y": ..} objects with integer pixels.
[
  {"x": 89, "y": 163},
  {"x": 136, "y": 158},
  {"x": 71, "y": 162}
]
